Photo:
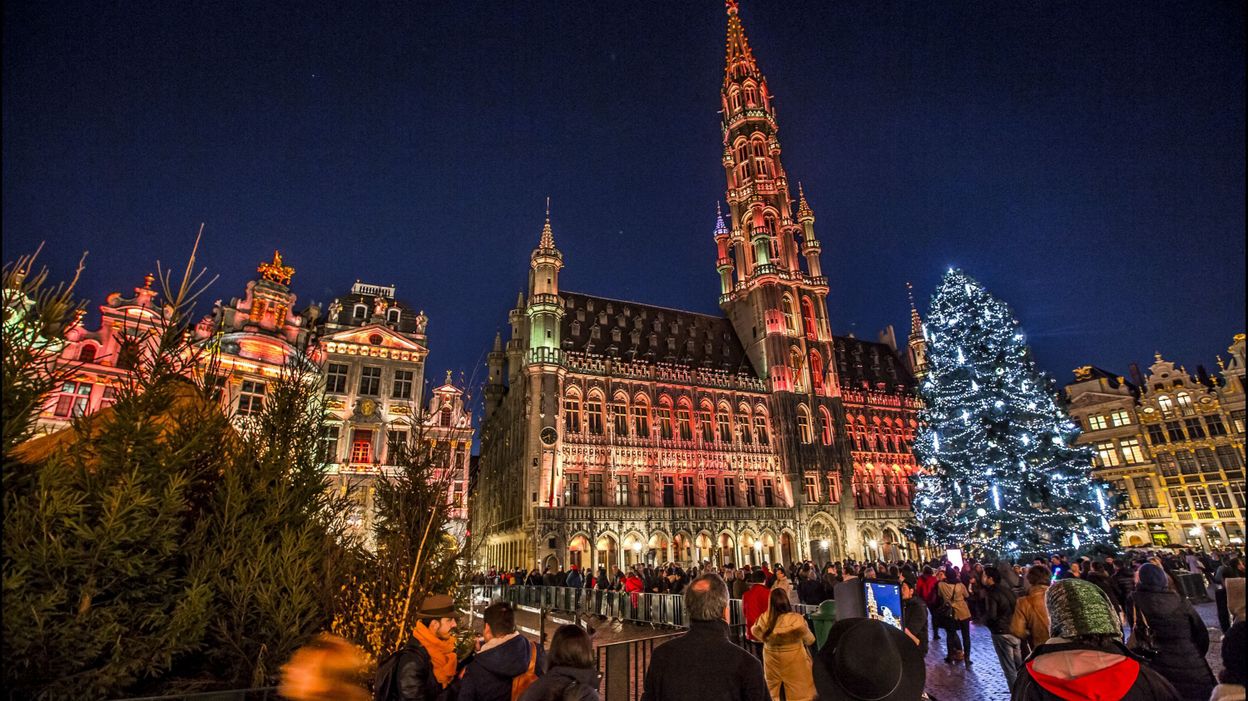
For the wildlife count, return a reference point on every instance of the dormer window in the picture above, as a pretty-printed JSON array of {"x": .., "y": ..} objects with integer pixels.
[
  {"x": 393, "y": 315},
  {"x": 359, "y": 311},
  {"x": 87, "y": 354}
]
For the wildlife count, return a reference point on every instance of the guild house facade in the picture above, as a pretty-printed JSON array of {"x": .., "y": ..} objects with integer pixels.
[{"x": 617, "y": 432}]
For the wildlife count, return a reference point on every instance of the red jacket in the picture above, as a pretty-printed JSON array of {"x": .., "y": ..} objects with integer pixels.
[
  {"x": 633, "y": 584},
  {"x": 925, "y": 588},
  {"x": 754, "y": 603}
]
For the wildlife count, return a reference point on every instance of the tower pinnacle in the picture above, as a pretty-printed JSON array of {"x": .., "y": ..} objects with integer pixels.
[{"x": 548, "y": 236}]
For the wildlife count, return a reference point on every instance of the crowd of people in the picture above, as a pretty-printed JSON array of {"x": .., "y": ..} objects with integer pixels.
[{"x": 1059, "y": 628}]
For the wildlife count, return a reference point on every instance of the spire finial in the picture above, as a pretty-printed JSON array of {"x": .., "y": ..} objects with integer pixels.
[
  {"x": 916, "y": 323},
  {"x": 803, "y": 208},
  {"x": 731, "y": 7},
  {"x": 721, "y": 229},
  {"x": 548, "y": 236},
  {"x": 448, "y": 377}
]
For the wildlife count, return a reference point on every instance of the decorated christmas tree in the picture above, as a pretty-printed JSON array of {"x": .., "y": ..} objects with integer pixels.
[{"x": 999, "y": 470}]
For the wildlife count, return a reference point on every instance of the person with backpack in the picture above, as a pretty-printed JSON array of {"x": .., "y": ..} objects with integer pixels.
[
  {"x": 999, "y": 603},
  {"x": 573, "y": 675},
  {"x": 505, "y": 663},
  {"x": 424, "y": 668}
]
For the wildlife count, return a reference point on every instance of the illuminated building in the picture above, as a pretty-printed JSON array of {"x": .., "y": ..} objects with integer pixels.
[
  {"x": 101, "y": 359},
  {"x": 1172, "y": 447},
  {"x": 254, "y": 339},
  {"x": 374, "y": 349},
  {"x": 618, "y": 432}
]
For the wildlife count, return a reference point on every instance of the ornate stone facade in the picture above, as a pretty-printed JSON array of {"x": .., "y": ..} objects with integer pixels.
[
  {"x": 618, "y": 432},
  {"x": 1172, "y": 447}
]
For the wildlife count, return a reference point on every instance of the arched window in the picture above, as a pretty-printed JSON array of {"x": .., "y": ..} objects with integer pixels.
[
  {"x": 594, "y": 415},
  {"x": 761, "y": 430},
  {"x": 641, "y": 416},
  {"x": 798, "y": 366},
  {"x": 444, "y": 419},
  {"x": 619, "y": 415},
  {"x": 706, "y": 422},
  {"x": 724, "y": 423},
  {"x": 743, "y": 425},
  {"x": 803, "y": 424},
  {"x": 735, "y": 98},
  {"x": 87, "y": 353},
  {"x": 684, "y": 416},
  {"x": 1185, "y": 402},
  {"x": 790, "y": 323},
  {"x": 572, "y": 412},
  {"x": 751, "y": 95},
  {"x": 808, "y": 319},
  {"x": 825, "y": 425},
  {"x": 393, "y": 315},
  {"x": 359, "y": 311},
  {"x": 665, "y": 418},
  {"x": 816, "y": 371},
  {"x": 1165, "y": 404}
]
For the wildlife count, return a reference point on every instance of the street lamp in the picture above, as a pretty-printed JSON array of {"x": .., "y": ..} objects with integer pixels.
[{"x": 824, "y": 543}]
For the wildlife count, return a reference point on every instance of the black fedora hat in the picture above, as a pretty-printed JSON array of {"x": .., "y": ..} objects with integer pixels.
[{"x": 868, "y": 660}]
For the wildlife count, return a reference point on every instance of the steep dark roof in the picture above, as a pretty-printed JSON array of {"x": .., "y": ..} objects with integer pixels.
[
  {"x": 860, "y": 362},
  {"x": 407, "y": 316},
  {"x": 640, "y": 332}
]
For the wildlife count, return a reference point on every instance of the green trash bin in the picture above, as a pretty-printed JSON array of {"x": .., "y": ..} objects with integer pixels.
[{"x": 822, "y": 621}]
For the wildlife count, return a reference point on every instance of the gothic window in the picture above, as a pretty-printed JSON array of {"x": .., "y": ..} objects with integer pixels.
[
  {"x": 790, "y": 323},
  {"x": 621, "y": 490},
  {"x": 812, "y": 489},
  {"x": 712, "y": 491},
  {"x": 669, "y": 491},
  {"x": 686, "y": 491},
  {"x": 685, "y": 417},
  {"x": 595, "y": 490},
  {"x": 87, "y": 353},
  {"x": 743, "y": 425},
  {"x": 797, "y": 366},
  {"x": 825, "y": 419},
  {"x": 706, "y": 423},
  {"x": 572, "y": 413},
  {"x": 725, "y": 426},
  {"x": 735, "y": 98},
  {"x": 643, "y": 490},
  {"x": 751, "y": 493},
  {"x": 641, "y": 418},
  {"x": 665, "y": 419},
  {"x": 761, "y": 430},
  {"x": 1165, "y": 404},
  {"x": 769, "y": 493},
  {"x": 730, "y": 491},
  {"x": 594, "y": 415},
  {"x": 751, "y": 95},
  {"x": 619, "y": 416},
  {"x": 808, "y": 318},
  {"x": 803, "y": 424},
  {"x": 816, "y": 371},
  {"x": 834, "y": 487}
]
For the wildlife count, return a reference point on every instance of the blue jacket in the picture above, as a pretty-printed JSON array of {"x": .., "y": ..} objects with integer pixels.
[{"x": 489, "y": 673}]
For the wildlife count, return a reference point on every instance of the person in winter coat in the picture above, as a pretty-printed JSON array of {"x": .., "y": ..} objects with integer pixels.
[
  {"x": 633, "y": 585},
  {"x": 786, "y": 659},
  {"x": 704, "y": 664},
  {"x": 782, "y": 581},
  {"x": 1234, "y": 668},
  {"x": 424, "y": 669},
  {"x": 1084, "y": 658},
  {"x": 955, "y": 595},
  {"x": 1030, "y": 622},
  {"x": 754, "y": 602},
  {"x": 574, "y": 578},
  {"x": 999, "y": 603},
  {"x": 809, "y": 588},
  {"x": 573, "y": 675},
  {"x": 601, "y": 580},
  {"x": 502, "y": 656},
  {"x": 1178, "y": 633},
  {"x": 925, "y": 589}
]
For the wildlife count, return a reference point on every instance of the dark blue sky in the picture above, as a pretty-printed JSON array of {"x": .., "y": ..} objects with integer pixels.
[{"x": 1085, "y": 160}]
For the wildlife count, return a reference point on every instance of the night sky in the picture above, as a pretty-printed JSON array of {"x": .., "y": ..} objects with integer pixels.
[{"x": 1084, "y": 160}]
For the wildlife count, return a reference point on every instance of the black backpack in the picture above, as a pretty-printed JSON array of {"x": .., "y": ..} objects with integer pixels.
[{"x": 385, "y": 688}]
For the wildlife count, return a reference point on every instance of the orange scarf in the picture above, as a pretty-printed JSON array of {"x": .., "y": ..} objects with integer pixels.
[{"x": 441, "y": 653}]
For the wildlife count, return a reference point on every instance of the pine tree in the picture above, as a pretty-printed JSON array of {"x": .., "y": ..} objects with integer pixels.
[{"x": 999, "y": 470}]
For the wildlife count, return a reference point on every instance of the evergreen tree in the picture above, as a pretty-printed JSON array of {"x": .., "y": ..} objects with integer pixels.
[{"x": 999, "y": 470}]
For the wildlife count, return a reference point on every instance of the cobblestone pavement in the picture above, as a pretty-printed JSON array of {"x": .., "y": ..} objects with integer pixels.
[{"x": 945, "y": 682}]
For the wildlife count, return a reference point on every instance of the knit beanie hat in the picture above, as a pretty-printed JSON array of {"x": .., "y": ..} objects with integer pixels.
[
  {"x": 1080, "y": 608},
  {"x": 1153, "y": 578}
]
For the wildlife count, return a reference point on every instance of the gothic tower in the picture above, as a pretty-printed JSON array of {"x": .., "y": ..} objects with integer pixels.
[
  {"x": 544, "y": 366},
  {"x": 916, "y": 347},
  {"x": 772, "y": 286}
]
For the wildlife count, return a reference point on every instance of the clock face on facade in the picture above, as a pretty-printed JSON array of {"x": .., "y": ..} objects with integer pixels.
[{"x": 549, "y": 435}]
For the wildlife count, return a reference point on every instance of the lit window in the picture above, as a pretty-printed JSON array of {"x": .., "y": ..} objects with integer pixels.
[
  {"x": 665, "y": 422},
  {"x": 641, "y": 420},
  {"x": 1185, "y": 403},
  {"x": 825, "y": 419},
  {"x": 725, "y": 426},
  {"x": 251, "y": 398},
  {"x": 1178, "y": 502},
  {"x": 760, "y": 429},
  {"x": 74, "y": 399},
  {"x": 1121, "y": 417},
  {"x": 593, "y": 412},
  {"x": 395, "y": 440},
  {"x": 686, "y": 423},
  {"x": 812, "y": 489},
  {"x": 329, "y": 444},
  {"x": 803, "y": 425},
  {"x": 1106, "y": 456},
  {"x": 1165, "y": 404},
  {"x": 1132, "y": 452},
  {"x": 621, "y": 490},
  {"x": 1097, "y": 422},
  {"x": 361, "y": 446},
  {"x": 1219, "y": 496}
]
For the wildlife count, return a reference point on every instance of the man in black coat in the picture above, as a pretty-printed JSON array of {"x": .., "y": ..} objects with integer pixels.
[
  {"x": 703, "y": 664},
  {"x": 424, "y": 669},
  {"x": 999, "y": 602}
]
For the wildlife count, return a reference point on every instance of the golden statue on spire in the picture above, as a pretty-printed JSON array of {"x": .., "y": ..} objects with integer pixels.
[{"x": 275, "y": 271}]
